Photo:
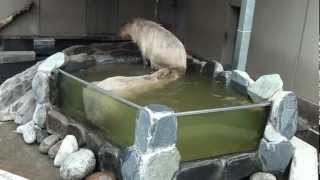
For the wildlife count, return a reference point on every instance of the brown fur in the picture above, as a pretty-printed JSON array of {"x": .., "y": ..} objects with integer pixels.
[{"x": 157, "y": 44}]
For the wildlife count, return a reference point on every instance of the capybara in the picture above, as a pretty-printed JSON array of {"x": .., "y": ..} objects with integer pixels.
[{"x": 160, "y": 46}]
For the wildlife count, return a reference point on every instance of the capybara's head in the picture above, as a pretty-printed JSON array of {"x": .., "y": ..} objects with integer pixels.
[{"x": 125, "y": 30}]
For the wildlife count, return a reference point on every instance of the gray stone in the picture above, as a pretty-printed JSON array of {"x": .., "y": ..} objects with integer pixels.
[
  {"x": 41, "y": 87},
  {"x": 28, "y": 132},
  {"x": 77, "y": 49},
  {"x": 25, "y": 112},
  {"x": 108, "y": 158},
  {"x": 47, "y": 143},
  {"x": 41, "y": 134},
  {"x": 305, "y": 161},
  {"x": 53, "y": 62},
  {"x": 156, "y": 128},
  {"x": 218, "y": 68},
  {"x": 16, "y": 56},
  {"x": 40, "y": 115},
  {"x": 158, "y": 165},
  {"x": 78, "y": 131},
  {"x": 272, "y": 135},
  {"x": 224, "y": 77},
  {"x": 240, "y": 81},
  {"x": 80, "y": 58},
  {"x": 78, "y": 165},
  {"x": 265, "y": 87},
  {"x": 57, "y": 123},
  {"x": 68, "y": 146},
  {"x": 131, "y": 160},
  {"x": 54, "y": 150},
  {"x": 13, "y": 89},
  {"x": 275, "y": 156},
  {"x": 262, "y": 176},
  {"x": 284, "y": 113}
]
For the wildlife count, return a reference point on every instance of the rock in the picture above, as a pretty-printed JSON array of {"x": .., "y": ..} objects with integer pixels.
[
  {"x": 78, "y": 165},
  {"x": 80, "y": 58},
  {"x": 78, "y": 131},
  {"x": 108, "y": 158},
  {"x": 158, "y": 165},
  {"x": 240, "y": 81},
  {"x": 77, "y": 49},
  {"x": 305, "y": 161},
  {"x": 54, "y": 150},
  {"x": 275, "y": 156},
  {"x": 265, "y": 87},
  {"x": 262, "y": 176},
  {"x": 68, "y": 146},
  {"x": 224, "y": 77},
  {"x": 40, "y": 115},
  {"x": 57, "y": 123},
  {"x": 41, "y": 87},
  {"x": 218, "y": 68},
  {"x": 25, "y": 112},
  {"x": 272, "y": 135},
  {"x": 28, "y": 132},
  {"x": 107, "y": 175},
  {"x": 53, "y": 62},
  {"x": 47, "y": 143},
  {"x": 13, "y": 89},
  {"x": 41, "y": 134},
  {"x": 284, "y": 113},
  {"x": 212, "y": 69},
  {"x": 155, "y": 128}
]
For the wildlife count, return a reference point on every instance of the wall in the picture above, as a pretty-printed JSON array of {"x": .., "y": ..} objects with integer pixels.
[{"x": 284, "y": 41}]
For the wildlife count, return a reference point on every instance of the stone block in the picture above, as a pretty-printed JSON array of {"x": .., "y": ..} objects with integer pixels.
[
  {"x": 240, "y": 81},
  {"x": 155, "y": 128},
  {"x": 275, "y": 156},
  {"x": 265, "y": 87},
  {"x": 284, "y": 113},
  {"x": 57, "y": 123}
]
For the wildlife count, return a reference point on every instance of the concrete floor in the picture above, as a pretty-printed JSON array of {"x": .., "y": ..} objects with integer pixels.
[{"x": 21, "y": 159}]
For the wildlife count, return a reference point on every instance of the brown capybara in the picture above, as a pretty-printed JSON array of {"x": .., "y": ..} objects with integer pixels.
[{"x": 160, "y": 46}]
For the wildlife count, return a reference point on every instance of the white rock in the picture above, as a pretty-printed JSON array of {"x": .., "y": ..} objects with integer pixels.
[
  {"x": 218, "y": 68},
  {"x": 53, "y": 62},
  {"x": 41, "y": 88},
  {"x": 262, "y": 176},
  {"x": 78, "y": 165},
  {"x": 241, "y": 80},
  {"x": 305, "y": 161},
  {"x": 68, "y": 146},
  {"x": 40, "y": 115},
  {"x": 25, "y": 112},
  {"x": 28, "y": 132},
  {"x": 265, "y": 87},
  {"x": 13, "y": 89}
]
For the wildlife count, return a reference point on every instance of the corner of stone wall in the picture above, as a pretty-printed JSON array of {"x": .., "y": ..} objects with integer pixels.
[{"x": 154, "y": 154}]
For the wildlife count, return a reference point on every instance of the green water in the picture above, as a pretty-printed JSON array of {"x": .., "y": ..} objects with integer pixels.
[{"x": 199, "y": 136}]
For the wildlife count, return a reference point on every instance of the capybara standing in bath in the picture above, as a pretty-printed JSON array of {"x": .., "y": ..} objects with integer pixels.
[{"x": 160, "y": 46}]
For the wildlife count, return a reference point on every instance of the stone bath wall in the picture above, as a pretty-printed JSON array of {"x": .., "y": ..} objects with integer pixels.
[{"x": 29, "y": 99}]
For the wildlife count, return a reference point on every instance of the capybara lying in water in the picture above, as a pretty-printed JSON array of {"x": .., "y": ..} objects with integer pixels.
[{"x": 160, "y": 46}]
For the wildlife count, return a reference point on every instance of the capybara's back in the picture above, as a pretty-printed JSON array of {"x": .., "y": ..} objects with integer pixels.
[{"x": 160, "y": 46}]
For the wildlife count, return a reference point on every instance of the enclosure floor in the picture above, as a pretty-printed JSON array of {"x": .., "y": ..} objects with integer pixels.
[{"x": 21, "y": 159}]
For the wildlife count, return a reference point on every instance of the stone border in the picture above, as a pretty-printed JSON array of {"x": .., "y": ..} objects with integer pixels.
[{"x": 275, "y": 150}]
